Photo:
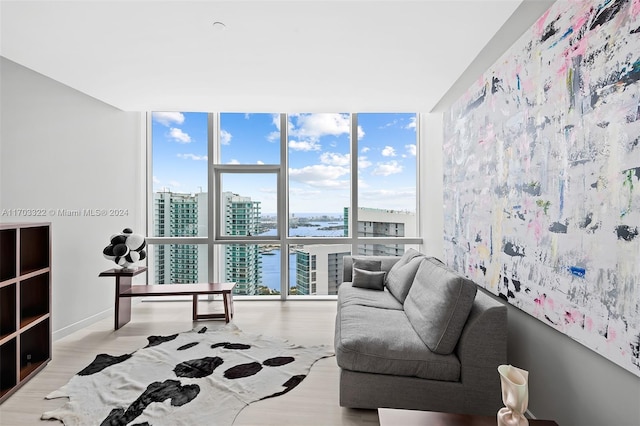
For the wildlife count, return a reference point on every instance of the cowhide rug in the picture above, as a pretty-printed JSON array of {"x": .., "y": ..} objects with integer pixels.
[{"x": 192, "y": 378}]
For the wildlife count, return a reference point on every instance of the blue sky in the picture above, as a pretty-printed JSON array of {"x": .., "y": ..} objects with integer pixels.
[{"x": 319, "y": 157}]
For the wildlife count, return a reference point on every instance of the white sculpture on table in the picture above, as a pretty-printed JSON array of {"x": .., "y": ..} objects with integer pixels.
[{"x": 515, "y": 396}]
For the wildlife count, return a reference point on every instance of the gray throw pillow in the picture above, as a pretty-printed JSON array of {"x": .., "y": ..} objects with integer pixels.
[
  {"x": 373, "y": 280},
  {"x": 438, "y": 305},
  {"x": 365, "y": 264},
  {"x": 401, "y": 274}
]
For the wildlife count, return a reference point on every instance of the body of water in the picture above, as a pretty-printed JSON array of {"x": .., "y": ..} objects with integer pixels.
[
  {"x": 319, "y": 229},
  {"x": 271, "y": 269},
  {"x": 271, "y": 262}
]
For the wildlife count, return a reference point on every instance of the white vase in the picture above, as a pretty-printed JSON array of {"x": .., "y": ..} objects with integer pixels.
[{"x": 515, "y": 396}]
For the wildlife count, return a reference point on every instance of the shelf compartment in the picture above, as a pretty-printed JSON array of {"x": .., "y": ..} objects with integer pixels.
[
  {"x": 9, "y": 376},
  {"x": 35, "y": 348},
  {"x": 8, "y": 250},
  {"x": 34, "y": 298},
  {"x": 34, "y": 249},
  {"x": 8, "y": 311}
]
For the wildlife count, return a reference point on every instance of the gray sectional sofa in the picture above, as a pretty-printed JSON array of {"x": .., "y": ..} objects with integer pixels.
[{"x": 412, "y": 333}]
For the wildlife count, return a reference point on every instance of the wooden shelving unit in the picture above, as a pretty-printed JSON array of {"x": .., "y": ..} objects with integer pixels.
[{"x": 25, "y": 303}]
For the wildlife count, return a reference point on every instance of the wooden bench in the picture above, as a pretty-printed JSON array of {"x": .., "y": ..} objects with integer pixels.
[{"x": 125, "y": 291}]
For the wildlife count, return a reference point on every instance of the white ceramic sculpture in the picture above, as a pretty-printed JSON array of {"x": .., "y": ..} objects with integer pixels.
[{"x": 515, "y": 396}]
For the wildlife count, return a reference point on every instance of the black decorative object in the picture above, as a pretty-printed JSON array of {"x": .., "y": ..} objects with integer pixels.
[{"x": 126, "y": 248}]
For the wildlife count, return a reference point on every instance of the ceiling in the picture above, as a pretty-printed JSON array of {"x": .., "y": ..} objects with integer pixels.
[{"x": 264, "y": 56}]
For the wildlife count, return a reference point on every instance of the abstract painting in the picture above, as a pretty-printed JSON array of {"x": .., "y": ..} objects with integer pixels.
[{"x": 542, "y": 176}]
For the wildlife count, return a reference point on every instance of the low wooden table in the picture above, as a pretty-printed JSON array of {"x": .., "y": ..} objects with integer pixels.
[
  {"x": 394, "y": 417},
  {"x": 125, "y": 291}
]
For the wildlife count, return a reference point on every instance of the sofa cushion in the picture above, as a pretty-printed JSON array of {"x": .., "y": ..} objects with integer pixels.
[
  {"x": 373, "y": 280},
  {"x": 400, "y": 276},
  {"x": 367, "y": 264},
  {"x": 438, "y": 305},
  {"x": 350, "y": 295},
  {"x": 382, "y": 341}
]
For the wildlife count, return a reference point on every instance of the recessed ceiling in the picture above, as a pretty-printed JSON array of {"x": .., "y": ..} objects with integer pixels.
[{"x": 266, "y": 56}]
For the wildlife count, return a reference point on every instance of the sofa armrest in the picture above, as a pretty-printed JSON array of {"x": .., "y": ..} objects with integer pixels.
[
  {"x": 483, "y": 347},
  {"x": 347, "y": 265}
]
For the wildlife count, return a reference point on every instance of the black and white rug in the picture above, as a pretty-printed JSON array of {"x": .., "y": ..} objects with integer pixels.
[{"x": 194, "y": 378}]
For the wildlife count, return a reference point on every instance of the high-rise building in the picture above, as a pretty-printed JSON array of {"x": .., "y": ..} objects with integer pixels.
[
  {"x": 319, "y": 267},
  {"x": 177, "y": 215},
  {"x": 382, "y": 223},
  {"x": 243, "y": 262}
]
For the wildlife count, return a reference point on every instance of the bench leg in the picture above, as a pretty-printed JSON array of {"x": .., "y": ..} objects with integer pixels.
[
  {"x": 122, "y": 308},
  {"x": 225, "y": 300},
  {"x": 228, "y": 308},
  {"x": 195, "y": 307}
]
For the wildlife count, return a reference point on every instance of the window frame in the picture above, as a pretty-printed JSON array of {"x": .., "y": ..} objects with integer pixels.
[{"x": 215, "y": 240}]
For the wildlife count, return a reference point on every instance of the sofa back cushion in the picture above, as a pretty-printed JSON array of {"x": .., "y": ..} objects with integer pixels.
[
  {"x": 367, "y": 264},
  {"x": 438, "y": 305},
  {"x": 401, "y": 274}
]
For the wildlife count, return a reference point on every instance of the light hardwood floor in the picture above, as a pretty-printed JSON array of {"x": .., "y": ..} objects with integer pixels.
[{"x": 313, "y": 402}]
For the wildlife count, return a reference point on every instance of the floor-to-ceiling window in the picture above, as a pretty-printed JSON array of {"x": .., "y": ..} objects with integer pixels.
[{"x": 274, "y": 201}]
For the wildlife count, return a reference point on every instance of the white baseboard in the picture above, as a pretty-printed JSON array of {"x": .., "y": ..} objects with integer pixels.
[{"x": 65, "y": 331}]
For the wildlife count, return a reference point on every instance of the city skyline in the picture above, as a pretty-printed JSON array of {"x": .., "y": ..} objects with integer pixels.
[
  {"x": 318, "y": 151},
  {"x": 255, "y": 268}
]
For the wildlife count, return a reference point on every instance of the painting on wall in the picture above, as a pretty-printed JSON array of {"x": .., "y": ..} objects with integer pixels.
[{"x": 542, "y": 176}]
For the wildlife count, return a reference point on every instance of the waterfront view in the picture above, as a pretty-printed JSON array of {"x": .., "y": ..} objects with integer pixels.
[
  {"x": 309, "y": 225},
  {"x": 245, "y": 169}
]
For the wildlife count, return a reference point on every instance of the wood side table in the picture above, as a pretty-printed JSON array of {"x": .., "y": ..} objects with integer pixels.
[
  {"x": 396, "y": 417},
  {"x": 123, "y": 284}
]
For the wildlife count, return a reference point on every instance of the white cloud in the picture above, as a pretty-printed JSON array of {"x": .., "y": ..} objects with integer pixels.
[
  {"x": 363, "y": 162},
  {"x": 168, "y": 118},
  {"x": 386, "y": 169},
  {"x": 360, "y": 133},
  {"x": 304, "y": 145},
  {"x": 233, "y": 161},
  {"x": 193, "y": 157},
  {"x": 225, "y": 137},
  {"x": 259, "y": 162},
  {"x": 179, "y": 136},
  {"x": 411, "y": 149},
  {"x": 412, "y": 123},
  {"x": 365, "y": 150},
  {"x": 402, "y": 198},
  {"x": 156, "y": 180},
  {"x": 247, "y": 115},
  {"x": 320, "y": 175},
  {"x": 274, "y": 136},
  {"x": 174, "y": 184},
  {"x": 315, "y": 126},
  {"x": 275, "y": 119},
  {"x": 335, "y": 159},
  {"x": 392, "y": 123},
  {"x": 388, "y": 151}
]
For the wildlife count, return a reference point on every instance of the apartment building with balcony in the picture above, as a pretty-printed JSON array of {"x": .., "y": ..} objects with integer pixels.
[
  {"x": 242, "y": 262},
  {"x": 178, "y": 215}
]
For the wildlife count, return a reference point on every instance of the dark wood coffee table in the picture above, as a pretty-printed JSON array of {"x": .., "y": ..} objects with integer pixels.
[
  {"x": 395, "y": 417},
  {"x": 125, "y": 291}
]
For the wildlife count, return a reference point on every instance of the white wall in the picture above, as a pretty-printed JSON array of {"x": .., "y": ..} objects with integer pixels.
[{"x": 61, "y": 149}]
